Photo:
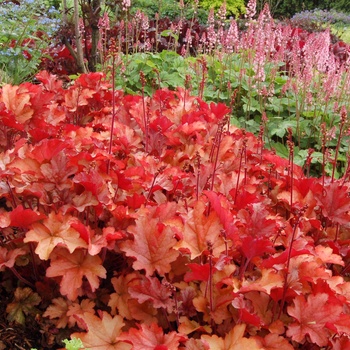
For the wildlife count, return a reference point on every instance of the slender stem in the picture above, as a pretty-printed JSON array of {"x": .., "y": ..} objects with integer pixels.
[
  {"x": 21, "y": 278},
  {"x": 285, "y": 284},
  {"x": 113, "y": 112}
]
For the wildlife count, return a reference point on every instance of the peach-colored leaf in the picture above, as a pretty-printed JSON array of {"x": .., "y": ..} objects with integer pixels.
[
  {"x": 150, "y": 337},
  {"x": 151, "y": 289},
  {"x": 200, "y": 231},
  {"x": 8, "y": 257},
  {"x": 17, "y": 102},
  {"x": 55, "y": 230},
  {"x": 153, "y": 245},
  {"x": 73, "y": 268},
  {"x": 102, "y": 333},
  {"x": 311, "y": 315},
  {"x": 234, "y": 340}
]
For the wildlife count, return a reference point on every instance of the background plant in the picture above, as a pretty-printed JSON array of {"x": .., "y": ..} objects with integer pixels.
[
  {"x": 318, "y": 20},
  {"x": 25, "y": 32},
  {"x": 287, "y": 8},
  {"x": 235, "y": 8}
]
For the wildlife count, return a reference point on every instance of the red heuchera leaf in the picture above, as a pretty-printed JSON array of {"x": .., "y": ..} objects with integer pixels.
[
  {"x": 281, "y": 258},
  {"x": 94, "y": 182},
  {"x": 77, "y": 97},
  {"x": 254, "y": 246},
  {"x": 49, "y": 81},
  {"x": 102, "y": 333},
  {"x": 257, "y": 220},
  {"x": 199, "y": 230},
  {"x": 152, "y": 246},
  {"x": 151, "y": 289},
  {"x": 73, "y": 268},
  {"x": 8, "y": 118},
  {"x": 311, "y": 316},
  {"x": 199, "y": 272},
  {"x": 47, "y": 149},
  {"x": 55, "y": 230},
  {"x": 152, "y": 337},
  {"x": 23, "y": 218},
  {"x": 220, "y": 205},
  {"x": 97, "y": 241},
  {"x": 335, "y": 204}
]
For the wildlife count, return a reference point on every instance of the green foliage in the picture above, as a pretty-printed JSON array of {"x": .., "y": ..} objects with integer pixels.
[
  {"x": 233, "y": 7},
  {"x": 73, "y": 344},
  {"x": 162, "y": 7},
  {"x": 24, "y": 303},
  {"x": 287, "y": 8},
  {"x": 24, "y": 33},
  {"x": 341, "y": 5},
  {"x": 168, "y": 8}
]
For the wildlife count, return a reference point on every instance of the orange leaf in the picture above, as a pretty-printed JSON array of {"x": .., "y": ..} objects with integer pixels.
[
  {"x": 234, "y": 340},
  {"x": 150, "y": 337},
  {"x": 8, "y": 258},
  {"x": 102, "y": 333},
  {"x": 55, "y": 230},
  {"x": 311, "y": 316},
  {"x": 118, "y": 301},
  {"x": 150, "y": 289},
  {"x": 274, "y": 341},
  {"x": 73, "y": 268},
  {"x": 199, "y": 230},
  {"x": 152, "y": 246}
]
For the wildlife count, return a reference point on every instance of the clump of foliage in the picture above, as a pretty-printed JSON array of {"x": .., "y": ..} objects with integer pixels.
[
  {"x": 133, "y": 220},
  {"x": 135, "y": 212}
]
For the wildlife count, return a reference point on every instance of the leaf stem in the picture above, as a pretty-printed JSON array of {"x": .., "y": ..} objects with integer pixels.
[{"x": 21, "y": 278}]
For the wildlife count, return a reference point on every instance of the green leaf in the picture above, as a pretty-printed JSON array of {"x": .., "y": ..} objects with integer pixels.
[
  {"x": 24, "y": 304},
  {"x": 74, "y": 344}
]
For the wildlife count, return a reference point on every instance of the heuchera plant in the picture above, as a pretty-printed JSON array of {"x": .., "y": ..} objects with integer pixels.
[{"x": 151, "y": 223}]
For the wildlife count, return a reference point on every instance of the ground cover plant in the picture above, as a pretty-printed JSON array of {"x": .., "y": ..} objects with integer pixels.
[
  {"x": 131, "y": 221},
  {"x": 143, "y": 218}
]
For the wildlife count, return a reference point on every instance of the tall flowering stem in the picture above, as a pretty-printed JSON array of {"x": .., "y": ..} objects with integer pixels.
[
  {"x": 343, "y": 120},
  {"x": 145, "y": 117},
  {"x": 113, "y": 51}
]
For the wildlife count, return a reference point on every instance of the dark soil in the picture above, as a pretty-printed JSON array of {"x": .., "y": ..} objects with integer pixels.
[
  {"x": 36, "y": 333},
  {"x": 16, "y": 336}
]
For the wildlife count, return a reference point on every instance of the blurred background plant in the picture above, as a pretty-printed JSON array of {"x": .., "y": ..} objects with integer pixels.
[
  {"x": 318, "y": 20},
  {"x": 25, "y": 31},
  {"x": 283, "y": 9}
]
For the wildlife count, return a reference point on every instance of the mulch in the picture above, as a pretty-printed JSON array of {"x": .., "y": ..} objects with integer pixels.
[{"x": 35, "y": 334}]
